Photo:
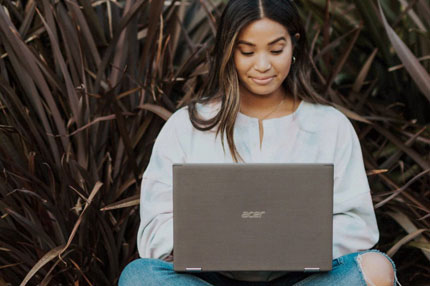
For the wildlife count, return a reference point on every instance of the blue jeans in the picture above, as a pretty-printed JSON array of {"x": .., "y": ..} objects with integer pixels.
[{"x": 147, "y": 271}]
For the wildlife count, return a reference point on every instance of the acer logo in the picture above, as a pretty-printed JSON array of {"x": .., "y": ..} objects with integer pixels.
[{"x": 253, "y": 214}]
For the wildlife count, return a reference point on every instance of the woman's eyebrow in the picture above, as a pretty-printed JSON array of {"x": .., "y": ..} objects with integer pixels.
[{"x": 253, "y": 45}]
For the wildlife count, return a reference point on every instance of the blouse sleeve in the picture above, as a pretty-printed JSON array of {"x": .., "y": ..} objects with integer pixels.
[
  {"x": 155, "y": 234},
  {"x": 354, "y": 223}
]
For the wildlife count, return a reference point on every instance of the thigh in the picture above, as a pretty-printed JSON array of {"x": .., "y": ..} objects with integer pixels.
[
  {"x": 346, "y": 272},
  {"x": 156, "y": 272},
  {"x": 301, "y": 278},
  {"x": 290, "y": 279}
]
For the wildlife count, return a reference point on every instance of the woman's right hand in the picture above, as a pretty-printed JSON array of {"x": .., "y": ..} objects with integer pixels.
[{"x": 169, "y": 258}]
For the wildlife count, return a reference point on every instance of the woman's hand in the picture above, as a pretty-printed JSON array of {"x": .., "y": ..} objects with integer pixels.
[{"x": 169, "y": 258}]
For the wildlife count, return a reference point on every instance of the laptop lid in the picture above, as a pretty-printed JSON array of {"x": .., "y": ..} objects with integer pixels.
[{"x": 253, "y": 217}]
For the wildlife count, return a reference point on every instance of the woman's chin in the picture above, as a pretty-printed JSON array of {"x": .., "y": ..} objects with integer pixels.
[{"x": 263, "y": 91}]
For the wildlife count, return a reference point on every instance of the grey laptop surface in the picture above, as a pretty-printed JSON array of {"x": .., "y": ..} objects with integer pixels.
[{"x": 252, "y": 217}]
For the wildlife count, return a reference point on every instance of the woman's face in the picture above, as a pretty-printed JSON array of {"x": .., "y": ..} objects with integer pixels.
[{"x": 263, "y": 56}]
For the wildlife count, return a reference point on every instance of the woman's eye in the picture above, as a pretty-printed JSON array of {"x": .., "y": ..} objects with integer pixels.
[
  {"x": 251, "y": 53},
  {"x": 277, "y": 52}
]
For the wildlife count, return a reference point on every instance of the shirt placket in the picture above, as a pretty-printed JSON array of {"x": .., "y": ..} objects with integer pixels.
[{"x": 259, "y": 153}]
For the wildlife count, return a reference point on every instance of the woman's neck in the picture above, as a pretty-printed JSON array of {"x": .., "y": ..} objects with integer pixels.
[{"x": 265, "y": 106}]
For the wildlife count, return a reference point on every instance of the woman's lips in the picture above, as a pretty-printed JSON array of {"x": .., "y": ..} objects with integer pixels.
[{"x": 262, "y": 81}]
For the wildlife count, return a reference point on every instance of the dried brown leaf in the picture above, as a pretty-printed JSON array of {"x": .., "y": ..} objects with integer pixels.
[
  {"x": 42, "y": 262},
  {"x": 159, "y": 110},
  {"x": 128, "y": 202}
]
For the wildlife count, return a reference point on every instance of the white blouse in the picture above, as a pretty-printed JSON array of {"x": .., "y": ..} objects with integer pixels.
[{"x": 314, "y": 133}]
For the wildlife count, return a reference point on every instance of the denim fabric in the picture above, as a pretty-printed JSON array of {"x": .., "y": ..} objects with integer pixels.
[
  {"x": 346, "y": 271},
  {"x": 155, "y": 272}
]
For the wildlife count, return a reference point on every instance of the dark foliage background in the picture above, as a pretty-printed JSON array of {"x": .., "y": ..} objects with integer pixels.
[{"x": 85, "y": 87}]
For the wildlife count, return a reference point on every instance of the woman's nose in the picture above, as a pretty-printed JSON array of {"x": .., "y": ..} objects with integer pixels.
[{"x": 262, "y": 64}]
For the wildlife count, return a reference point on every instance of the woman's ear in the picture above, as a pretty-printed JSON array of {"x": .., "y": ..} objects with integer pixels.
[{"x": 297, "y": 36}]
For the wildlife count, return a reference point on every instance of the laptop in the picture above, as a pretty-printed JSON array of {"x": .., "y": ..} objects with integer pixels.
[{"x": 252, "y": 217}]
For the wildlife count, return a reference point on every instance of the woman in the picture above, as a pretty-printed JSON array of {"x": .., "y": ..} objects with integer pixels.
[{"x": 258, "y": 97}]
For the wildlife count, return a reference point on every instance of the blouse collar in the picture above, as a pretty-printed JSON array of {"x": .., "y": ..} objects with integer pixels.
[{"x": 305, "y": 115}]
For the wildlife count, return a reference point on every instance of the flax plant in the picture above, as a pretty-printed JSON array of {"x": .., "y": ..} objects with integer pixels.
[{"x": 86, "y": 85}]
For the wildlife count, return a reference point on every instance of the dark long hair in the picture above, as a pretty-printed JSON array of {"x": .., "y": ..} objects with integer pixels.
[{"x": 222, "y": 83}]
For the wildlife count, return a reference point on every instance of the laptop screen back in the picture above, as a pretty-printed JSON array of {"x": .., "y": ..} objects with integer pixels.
[{"x": 253, "y": 217}]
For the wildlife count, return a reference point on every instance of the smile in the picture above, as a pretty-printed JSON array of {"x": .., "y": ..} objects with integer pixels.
[{"x": 263, "y": 81}]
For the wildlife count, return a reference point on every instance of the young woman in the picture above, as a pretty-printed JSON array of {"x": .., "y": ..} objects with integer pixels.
[{"x": 258, "y": 97}]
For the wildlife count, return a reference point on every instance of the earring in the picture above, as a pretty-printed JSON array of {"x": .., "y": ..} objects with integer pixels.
[{"x": 294, "y": 59}]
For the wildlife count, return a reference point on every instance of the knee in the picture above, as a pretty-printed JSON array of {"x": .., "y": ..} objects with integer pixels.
[
  {"x": 131, "y": 273},
  {"x": 377, "y": 269},
  {"x": 138, "y": 272}
]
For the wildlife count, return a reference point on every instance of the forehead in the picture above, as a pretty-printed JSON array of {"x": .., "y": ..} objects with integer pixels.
[{"x": 262, "y": 31}]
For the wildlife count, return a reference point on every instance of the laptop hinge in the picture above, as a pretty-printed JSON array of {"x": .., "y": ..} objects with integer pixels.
[
  {"x": 310, "y": 269},
  {"x": 193, "y": 268}
]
